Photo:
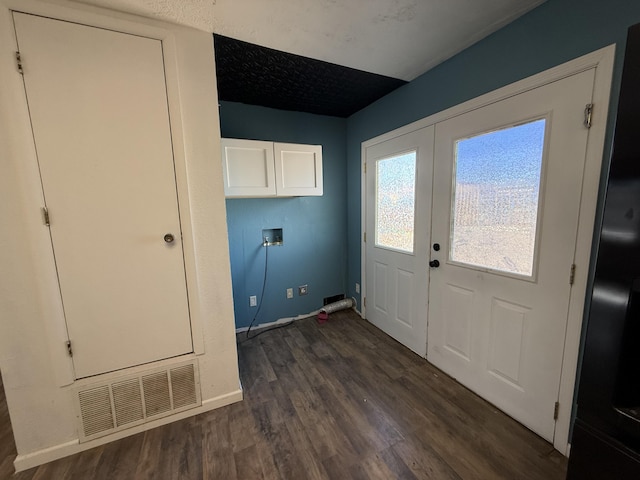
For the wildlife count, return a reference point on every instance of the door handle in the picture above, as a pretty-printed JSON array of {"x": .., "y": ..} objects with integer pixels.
[{"x": 434, "y": 263}]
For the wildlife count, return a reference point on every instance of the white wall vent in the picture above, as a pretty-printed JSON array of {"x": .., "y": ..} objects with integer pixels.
[
  {"x": 127, "y": 402},
  {"x": 131, "y": 400},
  {"x": 156, "y": 393},
  {"x": 95, "y": 406}
]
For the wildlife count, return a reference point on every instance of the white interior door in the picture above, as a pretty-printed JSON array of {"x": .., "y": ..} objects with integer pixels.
[
  {"x": 398, "y": 215},
  {"x": 98, "y": 106},
  {"x": 506, "y": 199}
]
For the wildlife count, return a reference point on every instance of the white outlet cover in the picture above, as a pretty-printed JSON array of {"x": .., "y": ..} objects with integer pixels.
[
  {"x": 289, "y": 292},
  {"x": 253, "y": 301}
]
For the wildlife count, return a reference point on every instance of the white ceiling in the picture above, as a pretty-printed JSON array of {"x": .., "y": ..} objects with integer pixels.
[{"x": 396, "y": 38}]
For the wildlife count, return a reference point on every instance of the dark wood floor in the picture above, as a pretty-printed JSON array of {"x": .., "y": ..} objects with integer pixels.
[
  {"x": 340, "y": 400},
  {"x": 7, "y": 445}
]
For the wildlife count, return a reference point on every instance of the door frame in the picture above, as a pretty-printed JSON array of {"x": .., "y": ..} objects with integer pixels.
[
  {"x": 602, "y": 61},
  {"x": 19, "y": 137}
]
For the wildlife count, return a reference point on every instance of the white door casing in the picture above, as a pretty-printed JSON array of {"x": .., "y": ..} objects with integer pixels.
[
  {"x": 98, "y": 106},
  {"x": 500, "y": 334},
  {"x": 397, "y": 280}
]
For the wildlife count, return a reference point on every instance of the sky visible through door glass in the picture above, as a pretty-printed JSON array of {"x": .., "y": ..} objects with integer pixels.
[
  {"x": 495, "y": 204},
  {"x": 395, "y": 202}
]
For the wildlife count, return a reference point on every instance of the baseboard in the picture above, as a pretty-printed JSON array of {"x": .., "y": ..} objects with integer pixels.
[
  {"x": 34, "y": 459},
  {"x": 46, "y": 455},
  {"x": 280, "y": 321},
  {"x": 221, "y": 401}
]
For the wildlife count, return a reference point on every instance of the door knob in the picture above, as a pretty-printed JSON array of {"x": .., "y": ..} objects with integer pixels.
[
  {"x": 169, "y": 238},
  {"x": 434, "y": 263}
]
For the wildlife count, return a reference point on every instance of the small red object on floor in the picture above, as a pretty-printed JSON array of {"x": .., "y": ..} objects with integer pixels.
[{"x": 323, "y": 317}]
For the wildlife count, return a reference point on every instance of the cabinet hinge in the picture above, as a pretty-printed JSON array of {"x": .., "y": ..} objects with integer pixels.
[
  {"x": 69, "y": 349},
  {"x": 588, "y": 113},
  {"x": 19, "y": 63},
  {"x": 556, "y": 409},
  {"x": 45, "y": 216},
  {"x": 572, "y": 274}
]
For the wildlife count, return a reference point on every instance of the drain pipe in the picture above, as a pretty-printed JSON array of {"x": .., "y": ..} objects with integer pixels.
[{"x": 323, "y": 316}]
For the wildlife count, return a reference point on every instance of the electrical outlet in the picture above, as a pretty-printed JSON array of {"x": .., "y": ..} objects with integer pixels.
[
  {"x": 253, "y": 301},
  {"x": 289, "y": 292},
  {"x": 303, "y": 290},
  {"x": 357, "y": 288}
]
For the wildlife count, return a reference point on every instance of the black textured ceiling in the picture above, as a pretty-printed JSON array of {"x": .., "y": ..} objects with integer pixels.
[{"x": 256, "y": 75}]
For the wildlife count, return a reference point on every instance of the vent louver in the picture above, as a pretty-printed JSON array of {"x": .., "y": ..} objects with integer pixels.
[
  {"x": 183, "y": 386},
  {"x": 127, "y": 402},
  {"x": 132, "y": 400},
  {"x": 156, "y": 393},
  {"x": 95, "y": 405}
]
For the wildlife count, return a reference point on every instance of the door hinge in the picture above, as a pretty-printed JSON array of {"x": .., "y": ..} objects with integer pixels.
[
  {"x": 556, "y": 409},
  {"x": 365, "y": 167},
  {"x": 69, "y": 349},
  {"x": 572, "y": 274},
  {"x": 588, "y": 113},
  {"x": 364, "y": 301},
  {"x": 45, "y": 216},
  {"x": 365, "y": 237},
  {"x": 19, "y": 63}
]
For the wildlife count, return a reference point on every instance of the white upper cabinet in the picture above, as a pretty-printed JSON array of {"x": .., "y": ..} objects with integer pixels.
[
  {"x": 298, "y": 169},
  {"x": 248, "y": 167},
  {"x": 266, "y": 169}
]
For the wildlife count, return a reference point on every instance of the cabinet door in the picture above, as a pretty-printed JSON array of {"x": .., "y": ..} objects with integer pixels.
[
  {"x": 248, "y": 168},
  {"x": 98, "y": 106},
  {"x": 298, "y": 169}
]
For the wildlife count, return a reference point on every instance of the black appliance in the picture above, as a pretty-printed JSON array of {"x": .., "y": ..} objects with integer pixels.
[{"x": 606, "y": 436}]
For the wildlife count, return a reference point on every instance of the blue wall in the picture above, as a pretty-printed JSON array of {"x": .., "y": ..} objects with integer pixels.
[
  {"x": 555, "y": 32},
  {"x": 314, "y": 228}
]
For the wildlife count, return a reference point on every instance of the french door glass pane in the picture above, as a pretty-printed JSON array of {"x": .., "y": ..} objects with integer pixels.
[
  {"x": 495, "y": 207},
  {"x": 395, "y": 201}
]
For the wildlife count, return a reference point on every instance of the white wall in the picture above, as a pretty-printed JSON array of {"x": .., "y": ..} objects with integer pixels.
[{"x": 36, "y": 371}]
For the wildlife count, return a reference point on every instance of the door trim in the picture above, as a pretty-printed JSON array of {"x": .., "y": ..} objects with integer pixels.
[{"x": 602, "y": 61}]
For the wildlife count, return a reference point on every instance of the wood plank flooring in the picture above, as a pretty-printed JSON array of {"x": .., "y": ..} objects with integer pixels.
[
  {"x": 339, "y": 401},
  {"x": 7, "y": 445}
]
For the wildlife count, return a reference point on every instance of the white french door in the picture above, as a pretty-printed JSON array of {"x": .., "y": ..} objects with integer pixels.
[
  {"x": 98, "y": 107},
  {"x": 398, "y": 186},
  {"x": 494, "y": 241},
  {"x": 506, "y": 202}
]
